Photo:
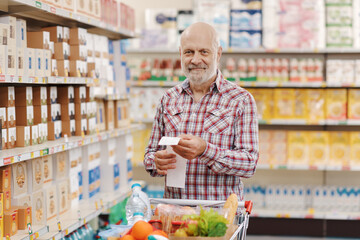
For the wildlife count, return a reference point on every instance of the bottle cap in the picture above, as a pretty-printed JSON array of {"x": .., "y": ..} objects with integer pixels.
[
  {"x": 135, "y": 185},
  {"x": 138, "y": 214}
]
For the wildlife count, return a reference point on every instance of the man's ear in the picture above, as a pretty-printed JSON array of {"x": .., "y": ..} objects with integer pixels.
[{"x": 219, "y": 53}]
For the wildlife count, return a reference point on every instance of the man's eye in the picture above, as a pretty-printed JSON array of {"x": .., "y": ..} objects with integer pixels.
[{"x": 204, "y": 52}]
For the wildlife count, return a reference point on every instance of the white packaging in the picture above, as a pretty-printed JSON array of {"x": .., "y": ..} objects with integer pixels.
[
  {"x": 30, "y": 62},
  {"x": 39, "y": 58},
  {"x": 3, "y": 66}
]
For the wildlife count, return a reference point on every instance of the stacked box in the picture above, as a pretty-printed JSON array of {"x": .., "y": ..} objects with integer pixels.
[
  {"x": 67, "y": 101},
  {"x": 80, "y": 111},
  {"x": 54, "y": 114}
]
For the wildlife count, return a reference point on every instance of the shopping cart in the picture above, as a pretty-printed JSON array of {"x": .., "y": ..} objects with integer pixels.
[{"x": 242, "y": 218}]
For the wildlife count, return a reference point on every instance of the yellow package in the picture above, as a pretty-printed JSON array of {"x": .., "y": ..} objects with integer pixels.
[
  {"x": 297, "y": 148},
  {"x": 318, "y": 148},
  {"x": 301, "y": 107},
  {"x": 315, "y": 99},
  {"x": 1, "y": 227},
  {"x": 264, "y": 103},
  {"x": 336, "y": 100},
  {"x": 339, "y": 149},
  {"x": 1, "y": 204},
  {"x": 354, "y": 104},
  {"x": 284, "y": 103},
  {"x": 355, "y": 149},
  {"x": 278, "y": 150}
]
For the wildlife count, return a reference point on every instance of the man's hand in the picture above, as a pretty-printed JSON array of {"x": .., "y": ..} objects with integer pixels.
[
  {"x": 164, "y": 161},
  {"x": 190, "y": 146}
]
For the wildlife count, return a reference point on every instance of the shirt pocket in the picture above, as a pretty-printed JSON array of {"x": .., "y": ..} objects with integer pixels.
[
  {"x": 218, "y": 121},
  {"x": 172, "y": 118}
]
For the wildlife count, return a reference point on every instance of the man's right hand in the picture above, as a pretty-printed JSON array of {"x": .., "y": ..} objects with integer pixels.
[{"x": 164, "y": 161}]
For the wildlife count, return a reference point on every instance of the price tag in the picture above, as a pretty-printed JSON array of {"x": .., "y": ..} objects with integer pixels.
[
  {"x": 20, "y": 79},
  {"x": 63, "y": 147},
  {"x": 59, "y": 226},
  {"x": 32, "y": 155},
  {"x": 12, "y": 159},
  {"x": 66, "y": 232},
  {"x": 82, "y": 134},
  {"x": 44, "y": 79},
  {"x": 36, "y": 234},
  {"x": 140, "y": 83},
  {"x": 41, "y": 153},
  {"x": 101, "y": 203},
  {"x": 8, "y": 237},
  {"x": 161, "y": 83},
  {"x": 96, "y": 205},
  {"x": 29, "y": 228},
  {"x": 36, "y": 80},
  {"x": 31, "y": 237},
  {"x": 84, "y": 221}
]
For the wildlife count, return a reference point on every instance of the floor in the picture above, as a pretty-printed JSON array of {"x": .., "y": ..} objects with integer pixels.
[{"x": 291, "y": 238}]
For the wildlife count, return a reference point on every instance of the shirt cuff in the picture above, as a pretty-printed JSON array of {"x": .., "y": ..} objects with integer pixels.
[{"x": 210, "y": 154}]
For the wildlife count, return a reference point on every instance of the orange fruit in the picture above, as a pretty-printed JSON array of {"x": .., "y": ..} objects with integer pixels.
[
  {"x": 127, "y": 237},
  {"x": 141, "y": 229},
  {"x": 158, "y": 233}
]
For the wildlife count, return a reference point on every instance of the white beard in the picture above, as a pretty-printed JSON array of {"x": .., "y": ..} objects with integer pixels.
[{"x": 199, "y": 77}]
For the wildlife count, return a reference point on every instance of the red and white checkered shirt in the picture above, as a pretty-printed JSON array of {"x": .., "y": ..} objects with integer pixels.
[{"x": 226, "y": 119}]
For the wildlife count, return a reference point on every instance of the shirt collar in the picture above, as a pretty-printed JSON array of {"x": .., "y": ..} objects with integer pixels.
[{"x": 216, "y": 85}]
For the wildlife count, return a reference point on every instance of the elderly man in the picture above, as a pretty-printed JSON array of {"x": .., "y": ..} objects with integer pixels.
[{"x": 215, "y": 119}]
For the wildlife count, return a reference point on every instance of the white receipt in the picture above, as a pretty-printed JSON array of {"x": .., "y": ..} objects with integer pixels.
[{"x": 175, "y": 177}]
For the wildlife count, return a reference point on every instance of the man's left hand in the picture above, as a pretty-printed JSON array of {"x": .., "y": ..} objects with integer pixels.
[{"x": 190, "y": 146}]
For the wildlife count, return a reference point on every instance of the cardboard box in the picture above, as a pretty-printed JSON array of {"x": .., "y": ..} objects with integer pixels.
[
  {"x": 100, "y": 116},
  {"x": 109, "y": 113},
  {"x": 40, "y": 114},
  {"x": 80, "y": 94},
  {"x": 21, "y": 33},
  {"x": 78, "y": 36},
  {"x": 91, "y": 126},
  {"x": 40, "y": 40},
  {"x": 354, "y": 149},
  {"x": 1, "y": 227},
  {"x": 11, "y": 21},
  {"x": 90, "y": 94},
  {"x": 298, "y": 148},
  {"x": 5, "y": 179},
  {"x": 10, "y": 223},
  {"x": 11, "y": 114},
  {"x": 63, "y": 67},
  {"x": 23, "y": 136},
  {"x": 54, "y": 130},
  {"x": 54, "y": 68},
  {"x": 19, "y": 179},
  {"x": 39, "y": 96},
  {"x": 63, "y": 194},
  {"x": 24, "y": 96},
  {"x": 3, "y": 67},
  {"x": 62, "y": 51},
  {"x": 54, "y": 112},
  {"x": 7, "y": 96},
  {"x": 11, "y": 60},
  {"x": 38, "y": 208},
  {"x": 339, "y": 149},
  {"x": 39, "y": 58},
  {"x": 25, "y": 116},
  {"x": 52, "y": 95},
  {"x": 66, "y": 34},
  {"x": 61, "y": 160},
  {"x": 121, "y": 113},
  {"x": 7, "y": 200},
  {"x": 66, "y": 94},
  {"x": 97, "y": 9},
  {"x": 24, "y": 217},
  {"x": 78, "y": 52},
  {"x": 36, "y": 173},
  {"x": 4, "y": 34},
  {"x": 80, "y": 111},
  {"x": 34, "y": 131},
  {"x": 68, "y": 111},
  {"x": 11, "y": 138},
  {"x": 56, "y": 33},
  {"x": 3, "y": 118},
  {"x": 51, "y": 203},
  {"x": 69, "y": 5},
  {"x": 336, "y": 100},
  {"x": 20, "y": 61},
  {"x": 43, "y": 135},
  {"x": 48, "y": 169},
  {"x": 68, "y": 128},
  {"x": 3, "y": 139},
  {"x": 77, "y": 68},
  {"x": 30, "y": 62},
  {"x": 80, "y": 127},
  {"x": 353, "y": 104},
  {"x": 24, "y": 200},
  {"x": 47, "y": 63}
]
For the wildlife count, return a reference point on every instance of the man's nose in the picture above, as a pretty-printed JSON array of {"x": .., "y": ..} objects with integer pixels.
[{"x": 196, "y": 59}]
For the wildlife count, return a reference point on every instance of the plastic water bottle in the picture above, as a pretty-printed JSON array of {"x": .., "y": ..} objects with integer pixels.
[{"x": 137, "y": 203}]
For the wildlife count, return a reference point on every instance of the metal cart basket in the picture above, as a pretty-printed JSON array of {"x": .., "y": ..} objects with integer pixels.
[{"x": 242, "y": 218}]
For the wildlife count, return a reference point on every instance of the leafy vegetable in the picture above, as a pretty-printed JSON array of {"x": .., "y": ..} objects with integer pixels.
[{"x": 209, "y": 223}]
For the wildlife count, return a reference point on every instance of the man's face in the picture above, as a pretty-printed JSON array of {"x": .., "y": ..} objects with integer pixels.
[{"x": 199, "y": 58}]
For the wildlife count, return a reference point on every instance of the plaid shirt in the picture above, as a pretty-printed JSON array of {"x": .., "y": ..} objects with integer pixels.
[{"x": 226, "y": 119}]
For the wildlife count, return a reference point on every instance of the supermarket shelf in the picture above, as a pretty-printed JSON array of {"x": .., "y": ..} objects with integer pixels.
[
  {"x": 256, "y": 50},
  {"x": 19, "y": 154},
  {"x": 86, "y": 211},
  {"x": 302, "y": 214},
  {"x": 49, "y": 14},
  {"x": 38, "y": 231},
  {"x": 45, "y": 80},
  {"x": 154, "y": 83}
]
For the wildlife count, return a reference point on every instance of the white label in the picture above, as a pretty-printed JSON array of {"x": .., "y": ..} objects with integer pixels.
[{"x": 169, "y": 141}]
